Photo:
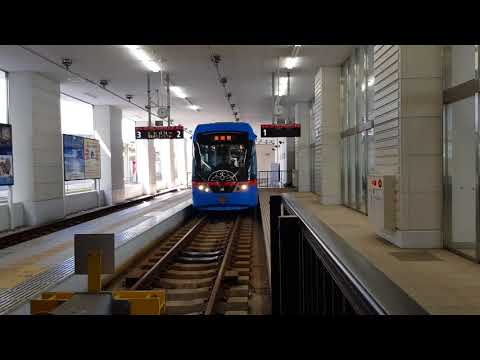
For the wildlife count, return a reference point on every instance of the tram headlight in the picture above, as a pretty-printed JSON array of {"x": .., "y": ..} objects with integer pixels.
[
  {"x": 201, "y": 187},
  {"x": 207, "y": 189},
  {"x": 244, "y": 187}
]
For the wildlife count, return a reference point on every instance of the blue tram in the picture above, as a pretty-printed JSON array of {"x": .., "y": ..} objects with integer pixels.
[{"x": 224, "y": 169}]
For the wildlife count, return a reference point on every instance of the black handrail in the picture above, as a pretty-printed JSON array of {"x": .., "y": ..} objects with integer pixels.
[{"x": 316, "y": 272}]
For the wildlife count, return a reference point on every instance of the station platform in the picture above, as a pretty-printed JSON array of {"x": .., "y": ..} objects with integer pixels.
[
  {"x": 437, "y": 279},
  {"x": 41, "y": 264}
]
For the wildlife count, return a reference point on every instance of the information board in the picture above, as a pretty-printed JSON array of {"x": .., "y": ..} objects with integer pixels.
[
  {"x": 92, "y": 158},
  {"x": 81, "y": 158},
  {"x": 159, "y": 132},
  {"x": 280, "y": 130},
  {"x": 6, "y": 155}
]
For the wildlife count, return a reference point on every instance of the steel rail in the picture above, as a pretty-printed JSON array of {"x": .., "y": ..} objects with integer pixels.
[
  {"x": 218, "y": 281},
  {"x": 171, "y": 253}
]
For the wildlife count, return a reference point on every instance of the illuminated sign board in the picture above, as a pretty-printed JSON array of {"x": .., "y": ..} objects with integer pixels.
[
  {"x": 159, "y": 132},
  {"x": 6, "y": 155},
  {"x": 280, "y": 130}
]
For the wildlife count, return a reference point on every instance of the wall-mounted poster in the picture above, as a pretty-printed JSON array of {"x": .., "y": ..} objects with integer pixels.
[
  {"x": 92, "y": 159},
  {"x": 6, "y": 155},
  {"x": 73, "y": 157}
]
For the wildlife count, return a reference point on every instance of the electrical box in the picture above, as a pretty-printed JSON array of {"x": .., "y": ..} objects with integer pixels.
[{"x": 381, "y": 202}]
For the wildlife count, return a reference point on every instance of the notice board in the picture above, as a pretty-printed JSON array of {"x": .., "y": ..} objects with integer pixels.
[
  {"x": 92, "y": 158},
  {"x": 6, "y": 155},
  {"x": 81, "y": 158}
]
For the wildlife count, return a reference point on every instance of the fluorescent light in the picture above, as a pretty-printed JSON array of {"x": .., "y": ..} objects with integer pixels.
[
  {"x": 363, "y": 86},
  {"x": 282, "y": 91},
  {"x": 178, "y": 92},
  {"x": 142, "y": 56},
  {"x": 291, "y": 62},
  {"x": 297, "y": 45},
  {"x": 194, "y": 107},
  {"x": 152, "y": 65}
]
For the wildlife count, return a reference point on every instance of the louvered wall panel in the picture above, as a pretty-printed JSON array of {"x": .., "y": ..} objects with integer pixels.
[
  {"x": 387, "y": 114},
  {"x": 387, "y": 103},
  {"x": 315, "y": 126}
]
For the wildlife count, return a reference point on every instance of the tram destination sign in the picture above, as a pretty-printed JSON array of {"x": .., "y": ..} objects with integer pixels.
[
  {"x": 159, "y": 132},
  {"x": 280, "y": 130}
]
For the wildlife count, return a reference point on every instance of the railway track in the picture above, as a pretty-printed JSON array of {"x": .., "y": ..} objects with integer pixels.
[{"x": 204, "y": 267}]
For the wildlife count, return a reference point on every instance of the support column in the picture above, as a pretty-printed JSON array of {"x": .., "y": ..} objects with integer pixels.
[
  {"x": 326, "y": 127},
  {"x": 34, "y": 106},
  {"x": 408, "y": 137},
  {"x": 421, "y": 146},
  {"x": 108, "y": 130},
  {"x": 302, "y": 148},
  {"x": 173, "y": 165}
]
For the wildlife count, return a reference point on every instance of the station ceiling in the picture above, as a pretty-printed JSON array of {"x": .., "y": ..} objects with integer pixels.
[{"x": 248, "y": 69}]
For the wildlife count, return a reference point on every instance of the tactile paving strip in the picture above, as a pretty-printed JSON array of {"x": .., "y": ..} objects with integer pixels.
[{"x": 16, "y": 296}]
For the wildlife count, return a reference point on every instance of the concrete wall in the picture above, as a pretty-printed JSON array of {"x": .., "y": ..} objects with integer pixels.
[
  {"x": 302, "y": 148},
  {"x": 83, "y": 201},
  {"x": 408, "y": 139},
  {"x": 265, "y": 157}
]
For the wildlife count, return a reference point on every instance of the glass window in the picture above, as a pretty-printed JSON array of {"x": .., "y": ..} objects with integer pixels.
[
  {"x": 361, "y": 88},
  {"x": 130, "y": 173},
  {"x": 358, "y": 148},
  {"x": 362, "y": 171},
  {"x": 77, "y": 119},
  {"x": 352, "y": 108},
  {"x": 352, "y": 171},
  {"x": 370, "y": 83},
  {"x": 462, "y": 63},
  {"x": 345, "y": 171}
]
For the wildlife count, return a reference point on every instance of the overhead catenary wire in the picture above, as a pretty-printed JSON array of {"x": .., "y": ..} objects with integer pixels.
[
  {"x": 223, "y": 81},
  {"x": 61, "y": 66}
]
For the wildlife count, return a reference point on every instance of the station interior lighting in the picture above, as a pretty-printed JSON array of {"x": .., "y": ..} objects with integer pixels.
[
  {"x": 282, "y": 88},
  {"x": 178, "y": 92},
  {"x": 291, "y": 62},
  {"x": 143, "y": 57},
  {"x": 194, "y": 107}
]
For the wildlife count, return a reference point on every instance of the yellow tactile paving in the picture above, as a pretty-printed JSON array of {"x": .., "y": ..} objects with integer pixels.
[{"x": 448, "y": 286}]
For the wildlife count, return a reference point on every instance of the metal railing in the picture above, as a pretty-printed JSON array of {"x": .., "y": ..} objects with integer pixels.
[
  {"x": 276, "y": 179},
  {"x": 314, "y": 271}
]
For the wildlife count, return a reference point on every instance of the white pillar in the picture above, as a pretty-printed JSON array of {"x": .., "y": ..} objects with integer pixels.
[
  {"x": 413, "y": 126},
  {"x": 326, "y": 127},
  {"x": 302, "y": 148},
  {"x": 108, "y": 130},
  {"x": 34, "y": 106}
]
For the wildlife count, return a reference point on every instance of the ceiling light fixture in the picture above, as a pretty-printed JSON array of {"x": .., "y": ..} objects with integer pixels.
[
  {"x": 194, "y": 107},
  {"x": 178, "y": 92},
  {"x": 291, "y": 62},
  {"x": 143, "y": 57},
  {"x": 282, "y": 88}
]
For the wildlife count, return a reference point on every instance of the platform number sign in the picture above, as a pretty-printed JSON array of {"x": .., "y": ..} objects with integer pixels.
[
  {"x": 280, "y": 130},
  {"x": 159, "y": 132}
]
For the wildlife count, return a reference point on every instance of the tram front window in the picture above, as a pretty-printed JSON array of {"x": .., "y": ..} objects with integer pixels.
[{"x": 212, "y": 156}]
